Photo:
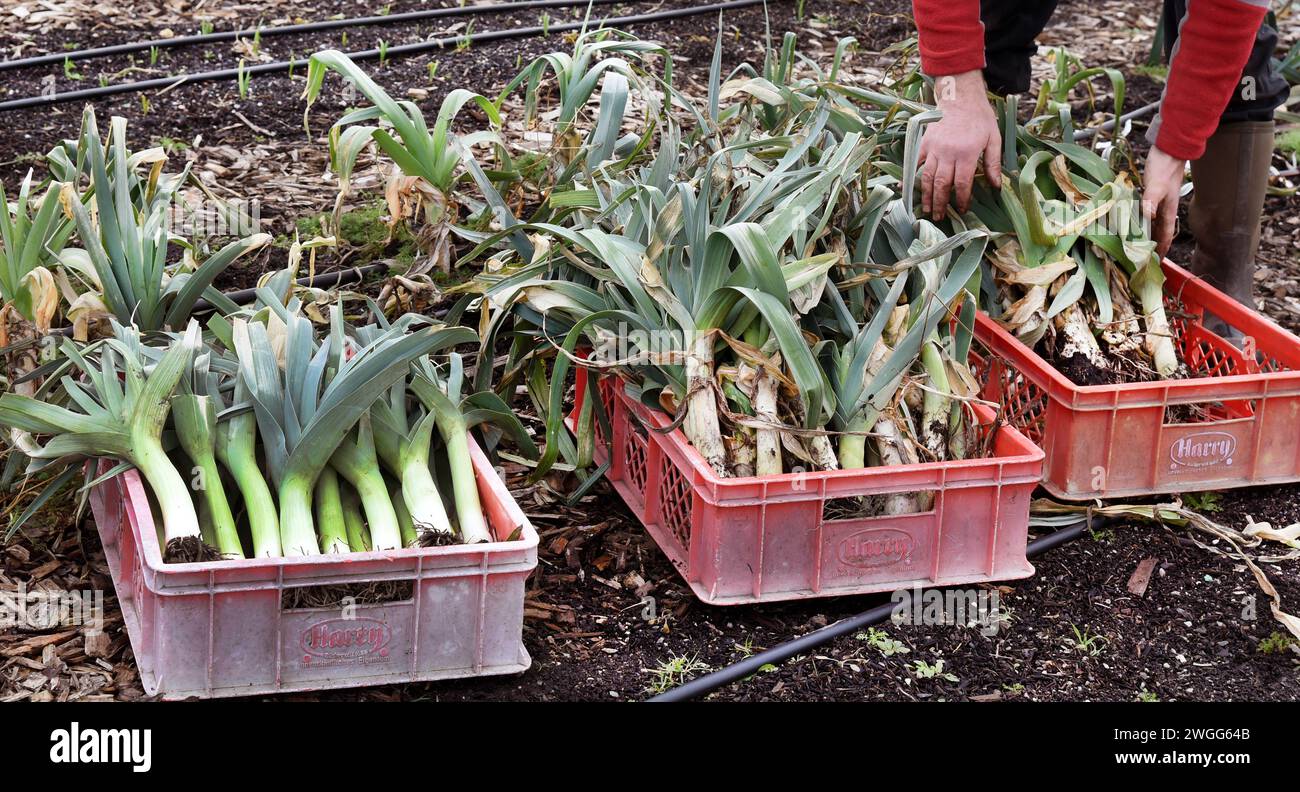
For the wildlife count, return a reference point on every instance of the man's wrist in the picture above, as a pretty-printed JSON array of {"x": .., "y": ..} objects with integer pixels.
[{"x": 962, "y": 88}]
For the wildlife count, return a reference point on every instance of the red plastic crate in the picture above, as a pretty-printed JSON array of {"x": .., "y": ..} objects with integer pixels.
[
  {"x": 223, "y": 628},
  {"x": 1236, "y": 425},
  {"x": 763, "y": 539}
]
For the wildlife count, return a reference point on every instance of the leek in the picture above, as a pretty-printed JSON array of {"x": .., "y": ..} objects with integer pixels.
[
  {"x": 329, "y": 514},
  {"x": 196, "y": 427},
  {"x": 121, "y": 413},
  {"x": 236, "y": 448},
  {"x": 405, "y": 452},
  {"x": 455, "y": 437},
  {"x": 356, "y": 461},
  {"x": 304, "y": 416},
  {"x": 358, "y": 536},
  {"x": 126, "y": 245}
]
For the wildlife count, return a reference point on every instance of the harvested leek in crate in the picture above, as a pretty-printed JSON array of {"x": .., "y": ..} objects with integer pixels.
[
  {"x": 758, "y": 278},
  {"x": 266, "y": 391},
  {"x": 1075, "y": 271}
]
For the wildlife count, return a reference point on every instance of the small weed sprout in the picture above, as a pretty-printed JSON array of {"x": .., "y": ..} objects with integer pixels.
[
  {"x": 673, "y": 672},
  {"x": 245, "y": 81},
  {"x": 923, "y": 670},
  {"x": 1204, "y": 501},
  {"x": 466, "y": 41},
  {"x": 746, "y": 649},
  {"x": 881, "y": 641},
  {"x": 1088, "y": 642},
  {"x": 1276, "y": 643}
]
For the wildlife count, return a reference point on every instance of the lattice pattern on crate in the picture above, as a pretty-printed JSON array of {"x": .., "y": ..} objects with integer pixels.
[
  {"x": 1024, "y": 403},
  {"x": 605, "y": 388},
  {"x": 1272, "y": 364},
  {"x": 1207, "y": 360},
  {"x": 1211, "y": 360},
  {"x": 1206, "y": 357},
  {"x": 634, "y": 460},
  {"x": 675, "y": 504}
]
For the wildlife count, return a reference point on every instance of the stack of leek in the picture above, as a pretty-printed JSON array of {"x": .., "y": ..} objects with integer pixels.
[{"x": 265, "y": 391}]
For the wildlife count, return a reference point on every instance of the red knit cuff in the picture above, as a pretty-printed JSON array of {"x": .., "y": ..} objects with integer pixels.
[
  {"x": 1176, "y": 143},
  {"x": 944, "y": 64}
]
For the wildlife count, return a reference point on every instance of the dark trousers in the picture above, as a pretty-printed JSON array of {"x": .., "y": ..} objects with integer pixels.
[{"x": 1010, "y": 27}]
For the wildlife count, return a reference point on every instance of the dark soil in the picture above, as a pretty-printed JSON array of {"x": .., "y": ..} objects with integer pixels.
[
  {"x": 1083, "y": 372},
  {"x": 214, "y": 114},
  {"x": 1080, "y": 370},
  {"x": 1276, "y": 505}
]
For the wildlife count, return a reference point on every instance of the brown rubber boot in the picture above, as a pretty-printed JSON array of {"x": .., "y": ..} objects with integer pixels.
[{"x": 1231, "y": 181}]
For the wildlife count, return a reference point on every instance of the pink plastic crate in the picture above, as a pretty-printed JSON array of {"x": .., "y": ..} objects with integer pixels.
[
  {"x": 763, "y": 539},
  {"x": 1237, "y": 424},
  {"x": 222, "y": 628}
]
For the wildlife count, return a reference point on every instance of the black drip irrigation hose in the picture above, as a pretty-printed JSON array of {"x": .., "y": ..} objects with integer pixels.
[
  {"x": 279, "y": 67},
  {"x": 805, "y": 643},
  {"x": 1144, "y": 110},
  {"x": 284, "y": 30},
  {"x": 325, "y": 280}
]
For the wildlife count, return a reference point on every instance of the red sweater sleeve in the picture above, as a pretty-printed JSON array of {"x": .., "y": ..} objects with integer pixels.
[
  {"x": 951, "y": 36},
  {"x": 1214, "y": 43}
]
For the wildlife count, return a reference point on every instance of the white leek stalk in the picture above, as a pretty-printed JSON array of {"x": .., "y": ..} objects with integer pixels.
[
  {"x": 895, "y": 450},
  {"x": 1149, "y": 283},
  {"x": 455, "y": 437},
  {"x": 936, "y": 412},
  {"x": 124, "y": 419},
  {"x": 768, "y": 439},
  {"x": 356, "y": 461},
  {"x": 407, "y": 457},
  {"x": 195, "y": 418},
  {"x": 329, "y": 514},
  {"x": 701, "y": 422},
  {"x": 236, "y": 449}
]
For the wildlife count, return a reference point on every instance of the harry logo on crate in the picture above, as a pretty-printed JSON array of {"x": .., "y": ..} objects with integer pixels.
[
  {"x": 1202, "y": 450},
  {"x": 876, "y": 547},
  {"x": 75, "y": 745},
  {"x": 344, "y": 640}
]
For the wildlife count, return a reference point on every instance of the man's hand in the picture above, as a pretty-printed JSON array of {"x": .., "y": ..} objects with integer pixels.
[
  {"x": 952, "y": 146},
  {"x": 1162, "y": 181}
]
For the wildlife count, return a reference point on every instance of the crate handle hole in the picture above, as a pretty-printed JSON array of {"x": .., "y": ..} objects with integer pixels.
[
  {"x": 870, "y": 507},
  {"x": 341, "y": 595}
]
